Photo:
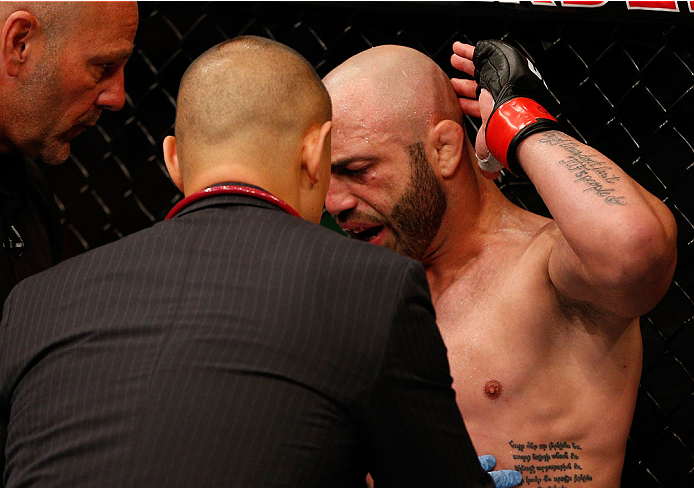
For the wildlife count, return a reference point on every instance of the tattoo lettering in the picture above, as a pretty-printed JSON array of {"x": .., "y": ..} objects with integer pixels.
[
  {"x": 552, "y": 465},
  {"x": 594, "y": 174}
]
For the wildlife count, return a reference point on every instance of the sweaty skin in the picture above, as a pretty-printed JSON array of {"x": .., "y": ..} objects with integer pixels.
[{"x": 545, "y": 364}]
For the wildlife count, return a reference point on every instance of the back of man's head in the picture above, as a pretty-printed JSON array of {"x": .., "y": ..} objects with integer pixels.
[{"x": 246, "y": 102}]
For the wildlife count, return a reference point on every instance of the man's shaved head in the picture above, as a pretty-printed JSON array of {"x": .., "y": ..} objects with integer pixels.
[
  {"x": 393, "y": 87},
  {"x": 248, "y": 91}
]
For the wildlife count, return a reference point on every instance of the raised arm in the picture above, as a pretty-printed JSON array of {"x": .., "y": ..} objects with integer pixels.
[{"x": 615, "y": 242}]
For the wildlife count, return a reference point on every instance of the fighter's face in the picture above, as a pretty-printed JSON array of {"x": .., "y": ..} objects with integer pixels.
[
  {"x": 67, "y": 90},
  {"x": 383, "y": 191}
]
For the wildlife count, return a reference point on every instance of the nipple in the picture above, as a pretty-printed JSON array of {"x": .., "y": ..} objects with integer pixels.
[{"x": 493, "y": 389}]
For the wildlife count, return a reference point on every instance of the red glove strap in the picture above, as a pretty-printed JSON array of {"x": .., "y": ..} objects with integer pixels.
[{"x": 507, "y": 120}]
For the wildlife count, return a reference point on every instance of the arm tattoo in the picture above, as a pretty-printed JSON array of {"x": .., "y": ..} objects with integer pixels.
[{"x": 589, "y": 172}]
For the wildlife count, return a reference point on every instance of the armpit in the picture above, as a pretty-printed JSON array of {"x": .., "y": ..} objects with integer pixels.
[{"x": 579, "y": 313}]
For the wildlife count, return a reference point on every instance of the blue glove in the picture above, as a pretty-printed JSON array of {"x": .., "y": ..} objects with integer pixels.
[{"x": 505, "y": 478}]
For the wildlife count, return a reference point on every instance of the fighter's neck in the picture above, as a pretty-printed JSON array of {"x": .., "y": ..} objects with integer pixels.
[{"x": 469, "y": 235}]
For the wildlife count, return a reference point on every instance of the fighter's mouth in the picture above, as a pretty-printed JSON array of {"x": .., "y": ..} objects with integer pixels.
[{"x": 364, "y": 234}]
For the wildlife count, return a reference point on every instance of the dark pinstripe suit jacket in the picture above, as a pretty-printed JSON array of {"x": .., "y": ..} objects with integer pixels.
[{"x": 234, "y": 345}]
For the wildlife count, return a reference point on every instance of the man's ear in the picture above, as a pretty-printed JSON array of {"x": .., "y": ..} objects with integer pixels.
[
  {"x": 21, "y": 39},
  {"x": 313, "y": 149},
  {"x": 447, "y": 140},
  {"x": 171, "y": 160}
]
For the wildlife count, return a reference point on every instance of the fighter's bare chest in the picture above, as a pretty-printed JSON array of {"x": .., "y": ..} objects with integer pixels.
[{"x": 497, "y": 330}]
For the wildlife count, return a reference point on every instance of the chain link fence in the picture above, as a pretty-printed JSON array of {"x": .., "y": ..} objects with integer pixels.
[{"x": 622, "y": 81}]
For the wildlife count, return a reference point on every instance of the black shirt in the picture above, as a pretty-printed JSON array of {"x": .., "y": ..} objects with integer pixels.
[{"x": 29, "y": 222}]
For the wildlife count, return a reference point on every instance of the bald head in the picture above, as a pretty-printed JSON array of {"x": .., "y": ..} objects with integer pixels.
[
  {"x": 249, "y": 94},
  {"x": 393, "y": 87},
  {"x": 56, "y": 18}
]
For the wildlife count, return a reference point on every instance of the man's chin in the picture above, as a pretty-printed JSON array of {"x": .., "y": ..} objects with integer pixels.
[
  {"x": 415, "y": 252},
  {"x": 55, "y": 155}
]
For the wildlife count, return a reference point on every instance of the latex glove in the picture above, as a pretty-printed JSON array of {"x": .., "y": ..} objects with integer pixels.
[{"x": 504, "y": 478}]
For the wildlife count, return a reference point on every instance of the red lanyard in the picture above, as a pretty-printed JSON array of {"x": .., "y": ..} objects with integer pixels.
[{"x": 231, "y": 190}]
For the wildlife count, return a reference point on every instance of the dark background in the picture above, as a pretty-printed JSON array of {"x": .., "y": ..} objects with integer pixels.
[{"x": 622, "y": 82}]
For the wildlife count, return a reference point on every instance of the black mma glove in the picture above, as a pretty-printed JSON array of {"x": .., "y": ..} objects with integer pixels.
[{"x": 515, "y": 86}]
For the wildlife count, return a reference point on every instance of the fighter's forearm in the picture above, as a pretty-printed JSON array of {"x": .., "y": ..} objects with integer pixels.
[{"x": 574, "y": 177}]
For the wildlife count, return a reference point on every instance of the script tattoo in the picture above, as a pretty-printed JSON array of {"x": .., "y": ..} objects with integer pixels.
[
  {"x": 551, "y": 465},
  {"x": 594, "y": 174}
]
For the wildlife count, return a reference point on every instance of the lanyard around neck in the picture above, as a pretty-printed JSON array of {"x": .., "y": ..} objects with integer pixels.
[{"x": 231, "y": 190}]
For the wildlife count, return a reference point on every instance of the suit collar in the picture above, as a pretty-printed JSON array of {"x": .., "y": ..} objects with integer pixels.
[{"x": 230, "y": 193}]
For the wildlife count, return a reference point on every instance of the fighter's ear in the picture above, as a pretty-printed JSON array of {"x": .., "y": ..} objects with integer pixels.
[
  {"x": 447, "y": 139},
  {"x": 171, "y": 160},
  {"x": 21, "y": 39}
]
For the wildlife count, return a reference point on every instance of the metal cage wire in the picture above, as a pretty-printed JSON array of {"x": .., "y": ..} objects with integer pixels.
[{"x": 621, "y": 82}]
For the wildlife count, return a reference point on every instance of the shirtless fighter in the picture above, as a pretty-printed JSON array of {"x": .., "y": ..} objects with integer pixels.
[{"x": 540, "y": 316}]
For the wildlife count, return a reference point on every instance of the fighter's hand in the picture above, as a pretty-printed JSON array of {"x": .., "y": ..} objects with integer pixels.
[
  {"x": 482, "y": 108},
  {"x": 503, "y": 478},
  {"x": 466, "y": 89},
  {"x": 517, "y": 91}
]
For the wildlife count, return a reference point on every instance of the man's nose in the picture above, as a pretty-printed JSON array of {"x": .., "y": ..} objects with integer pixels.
[
  {"x": 112, "y": 97},
  {"x": 339, "y": 197}
]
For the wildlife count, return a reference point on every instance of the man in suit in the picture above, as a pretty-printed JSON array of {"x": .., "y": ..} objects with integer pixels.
[
  {"x": 61, "y": 65},
  {"x": 234, "y": 344}
]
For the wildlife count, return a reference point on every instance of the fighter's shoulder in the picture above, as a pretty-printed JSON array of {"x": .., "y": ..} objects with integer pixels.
[
  {"x": 529, "y": 237},
  {"x": 543, "y": 233}
]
